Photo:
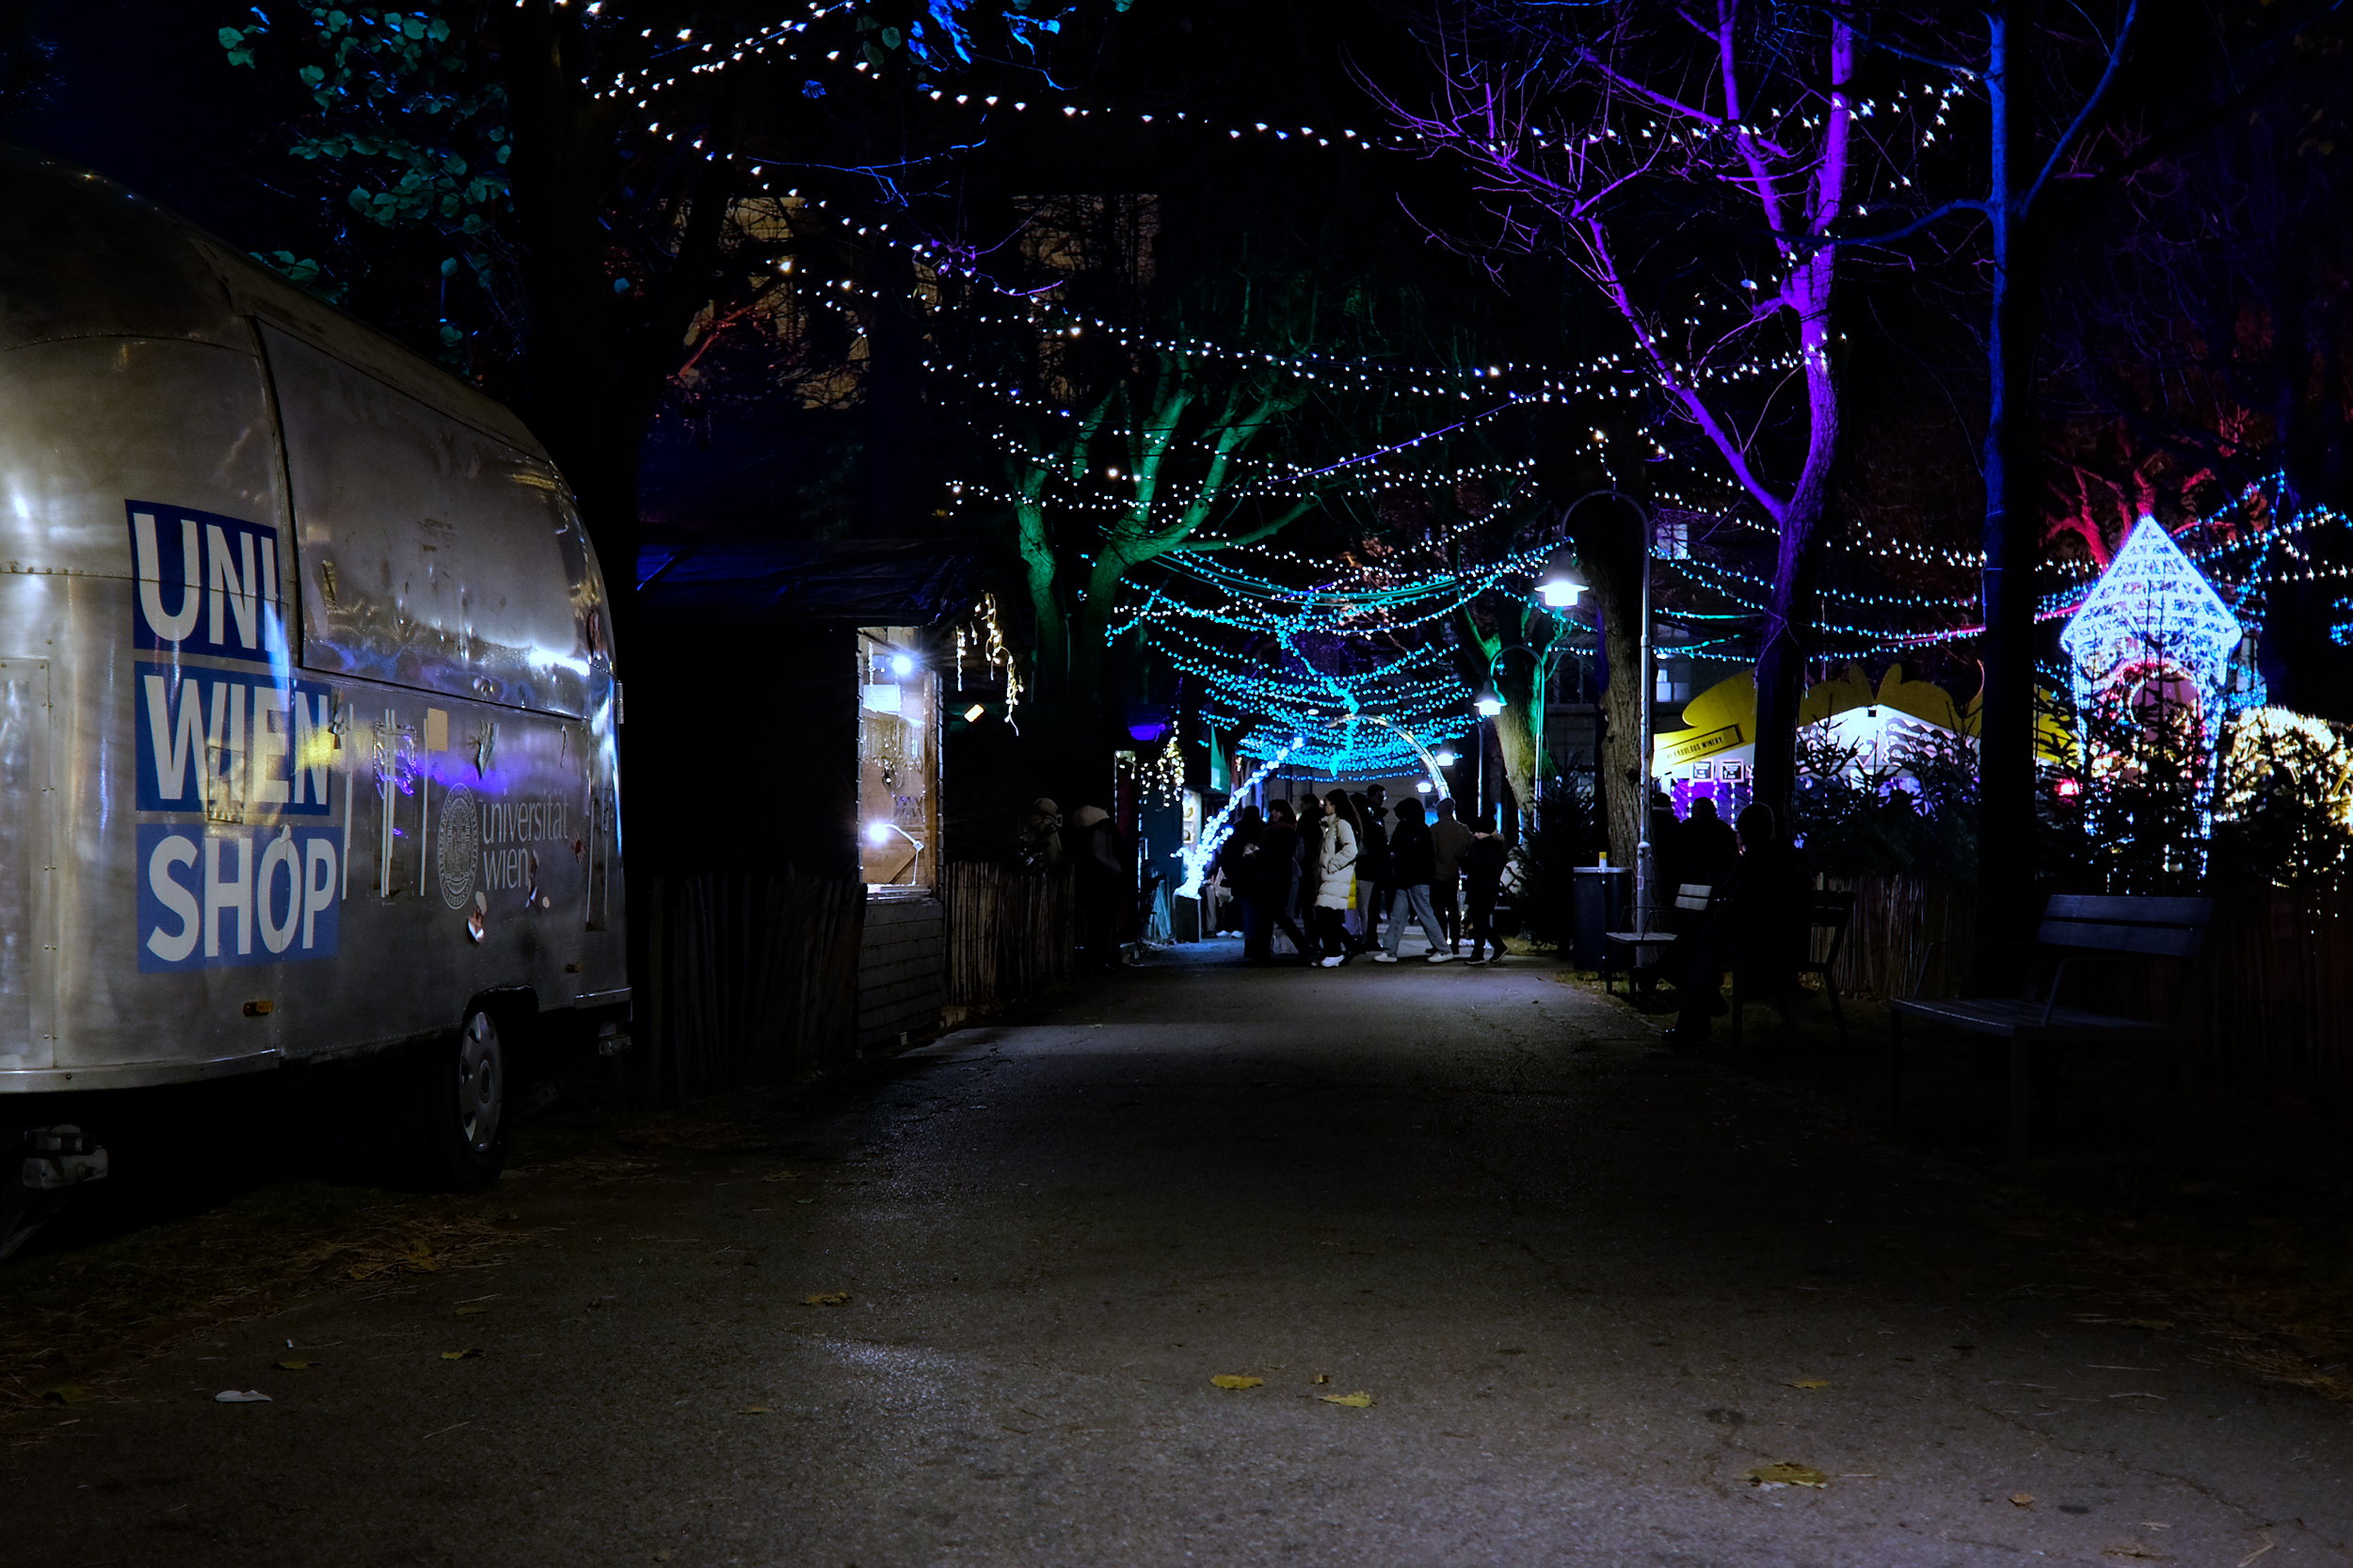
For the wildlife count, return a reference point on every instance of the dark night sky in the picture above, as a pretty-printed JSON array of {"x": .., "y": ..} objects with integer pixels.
[{"x": 140, "y": 91}]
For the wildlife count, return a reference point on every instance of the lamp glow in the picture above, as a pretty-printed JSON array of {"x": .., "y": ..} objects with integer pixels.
[
  {"x": 878, "y": 833},
  {"x": 1489, "y": 702},
  {"x": 974, "y": 713},
  {"x": 902, "y": 664},
  {"x": 1446, "y": 758}
]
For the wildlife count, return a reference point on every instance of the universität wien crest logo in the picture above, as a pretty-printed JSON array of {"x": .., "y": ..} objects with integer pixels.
[{"x": 457, "y": 848}]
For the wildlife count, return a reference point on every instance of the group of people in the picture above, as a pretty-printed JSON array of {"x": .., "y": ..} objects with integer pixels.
[
  {"x": 1324, "y": 871},
  {"x": 1103, "y": 882},
  {"x": 1753, "y": 917}
]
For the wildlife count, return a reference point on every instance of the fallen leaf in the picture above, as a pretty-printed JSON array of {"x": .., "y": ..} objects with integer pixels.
[
  {"x": 782, "y": 1176},
  {"x": 1233, "y": 1379},
  {"x": 1785, "y": 1474},
  {"x": 65, "y": 1393},
  {"x": 1810, "y": 1383},
  {"x": 2154, "y": 1325},
  {"x": 290, "y": 1364},
  {"x": 241, "y": 1396},
  {"x": 2023, "y": 1499},
  {"x": 753, "y": 1410},
  {"x": 466, "y": 1354},
  {"x": 826, "y": 1298},
  {"x": 2131, "y": 1548},
  {"x": 1358, "y": 1401},
  {"x": 470, "y": 1311},
  {"x": 1324, "y": 1376}
]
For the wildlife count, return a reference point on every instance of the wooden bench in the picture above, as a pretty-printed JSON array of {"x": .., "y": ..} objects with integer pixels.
[
  {"x": 2075, "y": 930},
  {"x": 1692, "y": 902}
]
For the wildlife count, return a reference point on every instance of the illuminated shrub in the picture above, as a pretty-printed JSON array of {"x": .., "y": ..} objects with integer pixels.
[{"x": 2283, "y": 800}]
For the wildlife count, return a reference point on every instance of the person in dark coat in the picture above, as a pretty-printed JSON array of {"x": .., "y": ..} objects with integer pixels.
[
  {"x": 1372, "y": 865},
  {"x": 1710, "y": 849},
  {"x": 1274, "y": 873},
  {"x": 1413, "y": 863},
  {"x": 1241, "y": 842},
  {"x": 1106, "y": 888},
  {"x": 1451, "y": 840},
  {"x": 1753, "y": 924},
  {"x": 1310, "y": 843},
  {"x": 1482, "y": 879}
]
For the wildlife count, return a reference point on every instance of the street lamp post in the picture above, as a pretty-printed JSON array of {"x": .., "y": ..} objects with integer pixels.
[
  {"x": 1559, "y": 587},
  {"x": 1641, "y": 747}
]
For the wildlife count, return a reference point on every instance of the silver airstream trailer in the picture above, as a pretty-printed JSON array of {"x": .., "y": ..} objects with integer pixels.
[{"x": 307, "y": 702}]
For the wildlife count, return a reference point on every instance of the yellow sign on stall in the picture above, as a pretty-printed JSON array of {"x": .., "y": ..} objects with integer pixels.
[{"x": 1690, "y": 745}]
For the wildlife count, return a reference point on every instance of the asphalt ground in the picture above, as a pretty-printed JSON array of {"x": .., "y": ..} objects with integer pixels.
[{"x": 1607, "y": 1305}]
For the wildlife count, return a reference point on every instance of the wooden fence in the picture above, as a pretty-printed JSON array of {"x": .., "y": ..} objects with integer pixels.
[
  {"x": 750, "y": 981},
  {"x": 1010, "y": 934},
  {"x": 2266, "y": 1009}
]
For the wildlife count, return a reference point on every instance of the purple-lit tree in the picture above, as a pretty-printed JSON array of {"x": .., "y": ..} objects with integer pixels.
[{"x": 1693, "y": 168}]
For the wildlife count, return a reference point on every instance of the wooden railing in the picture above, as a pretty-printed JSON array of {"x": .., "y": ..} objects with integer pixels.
[
  {"x": 1010, "y": 934},
  {"x": 750, "y": 981}
]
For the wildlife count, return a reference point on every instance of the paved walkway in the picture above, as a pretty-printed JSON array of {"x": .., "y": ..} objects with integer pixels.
[{"x": 1591, "y": 1292}]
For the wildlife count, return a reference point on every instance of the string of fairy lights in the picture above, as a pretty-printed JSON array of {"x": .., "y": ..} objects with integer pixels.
[{"x": 1291, "y": 647}]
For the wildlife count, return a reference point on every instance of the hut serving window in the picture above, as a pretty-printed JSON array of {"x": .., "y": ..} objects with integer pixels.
[{"x": 897, "y": 760}]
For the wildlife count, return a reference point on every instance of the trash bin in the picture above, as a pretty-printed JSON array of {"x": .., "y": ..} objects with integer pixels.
[{"x": 1599, "y": 907}]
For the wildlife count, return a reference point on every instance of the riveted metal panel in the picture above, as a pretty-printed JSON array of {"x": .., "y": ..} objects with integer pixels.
[
  {"x": 434, "y": 555},
  {"x": 27, "y": 866}
]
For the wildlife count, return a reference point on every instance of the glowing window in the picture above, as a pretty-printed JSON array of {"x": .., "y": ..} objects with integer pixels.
[{"x": 898, "y": 761}]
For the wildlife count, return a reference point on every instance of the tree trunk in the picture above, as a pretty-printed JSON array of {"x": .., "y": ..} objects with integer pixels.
[
  {"x": 1781, "y": 663},
  {"x": 568, "y": 361},
  {"x": 1612, "y": 538},
  {"x": 1521, "y": 686},
  {"x": 2011, "y": 534},
  {"x": 596, "y": 356},
  {"x": 1622, "y": 786}
]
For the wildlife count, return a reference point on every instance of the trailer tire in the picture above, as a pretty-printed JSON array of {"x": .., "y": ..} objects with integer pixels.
[
  {"x": 464, "y": 1103},
  {"x": 22, "y": 1214}
]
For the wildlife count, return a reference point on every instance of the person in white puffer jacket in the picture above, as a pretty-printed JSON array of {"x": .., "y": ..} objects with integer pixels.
[{"x": 1336, "y": 878}]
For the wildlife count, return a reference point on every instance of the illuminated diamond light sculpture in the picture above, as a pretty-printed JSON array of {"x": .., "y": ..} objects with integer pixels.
[{"x": 2152, "y": 619}]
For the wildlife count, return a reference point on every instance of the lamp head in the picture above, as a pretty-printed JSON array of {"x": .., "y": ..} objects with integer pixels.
[
  {"x": 1559, "y": 583},
  {"x": 1489, "y": 701},
  {"x": 1446, "y": 758}
]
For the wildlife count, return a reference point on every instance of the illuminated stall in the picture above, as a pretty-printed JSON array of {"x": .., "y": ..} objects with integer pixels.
[
  {"x": 1870, "y": 730},
  {"x": 790, "y": 722}
]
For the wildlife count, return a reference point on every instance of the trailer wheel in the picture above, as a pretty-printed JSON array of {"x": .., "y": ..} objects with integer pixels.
[
  {"x": 43, "y": 1166},
  {"x": 22, "y": 1213},
  {"x": 464, "y": 1105}
]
